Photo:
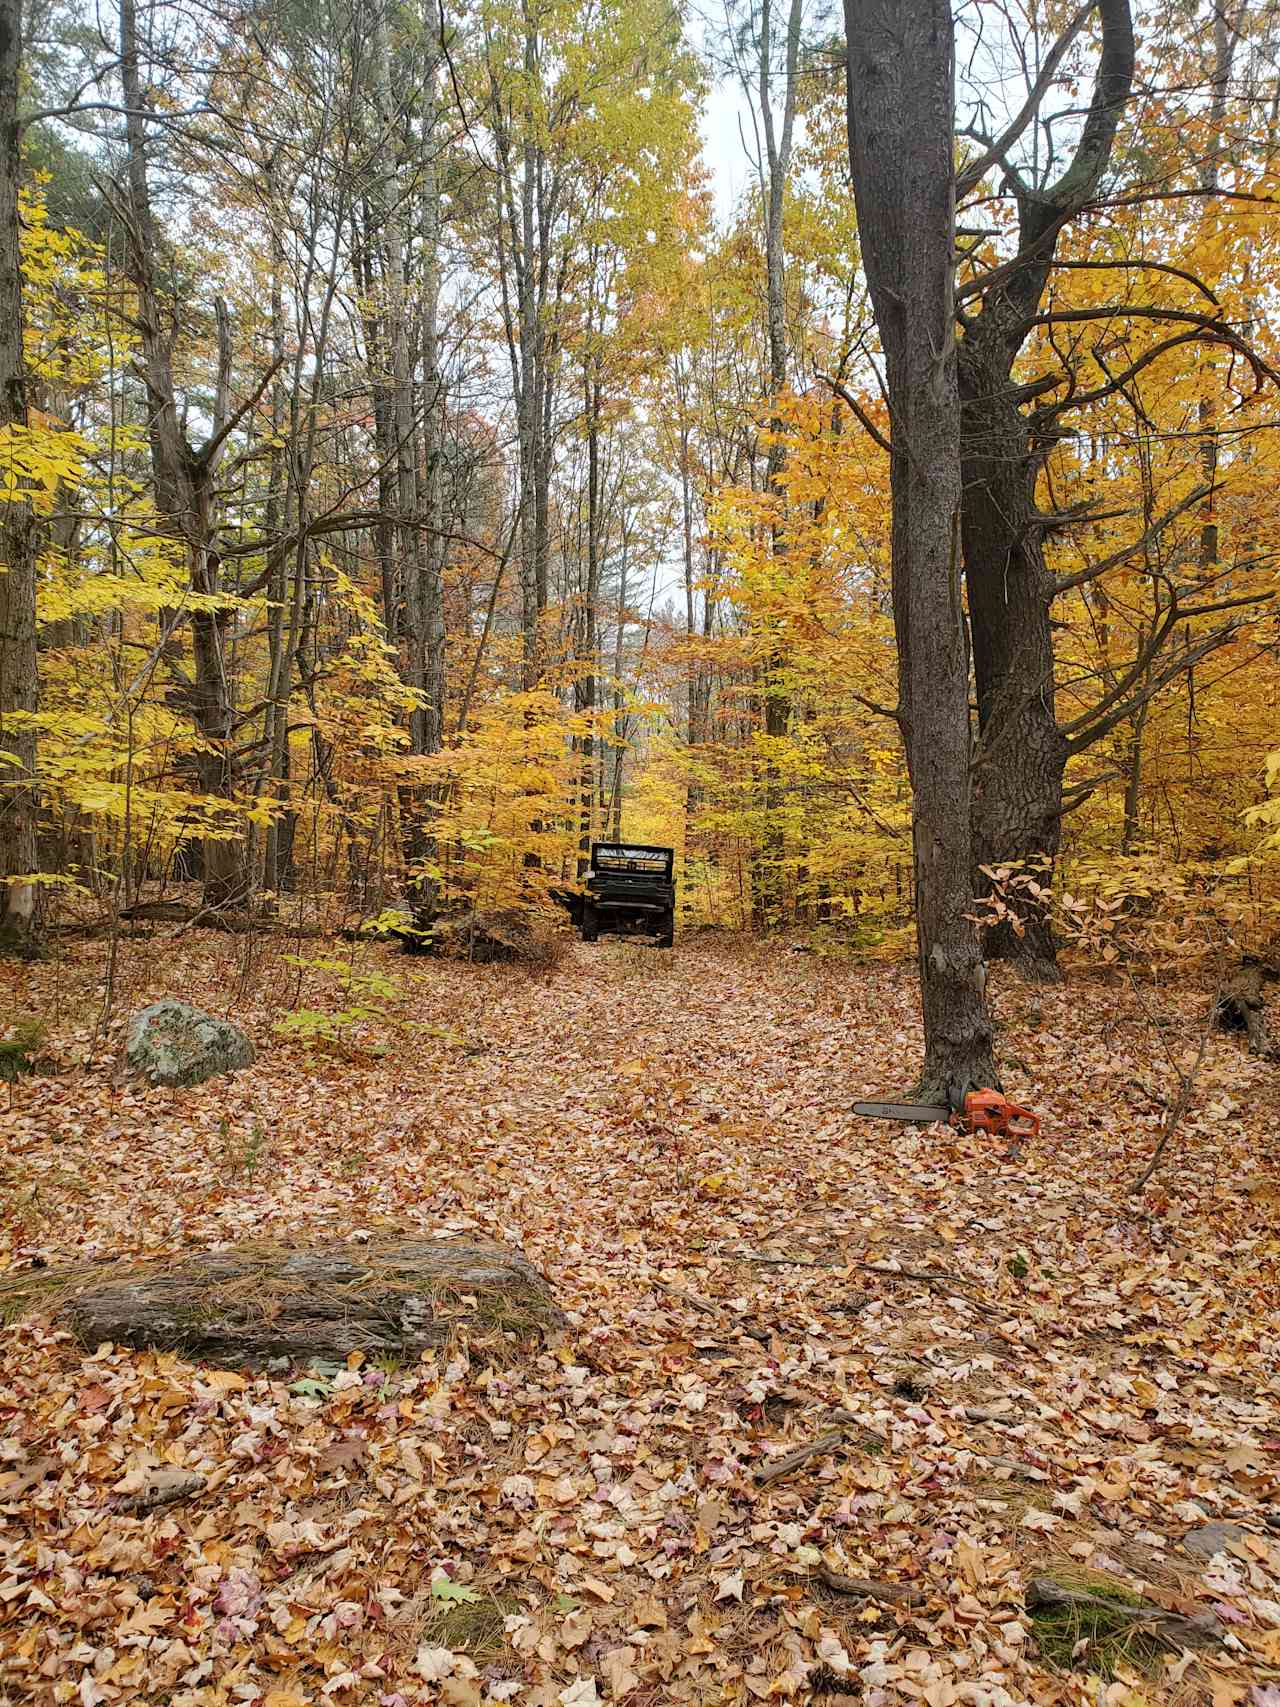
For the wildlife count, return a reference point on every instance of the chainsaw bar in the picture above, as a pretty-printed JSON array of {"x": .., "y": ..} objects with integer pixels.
[{"x": 922, "y": 1113}]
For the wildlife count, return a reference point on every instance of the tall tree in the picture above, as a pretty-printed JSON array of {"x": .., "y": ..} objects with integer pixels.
[
  {"x": 766, "y": 52},
  {"x": 186, "y": 490},
  {"x": 18, "y": 681},
  {"x": 900, "y": 108},
  {"x": 1021, "y": 753}
]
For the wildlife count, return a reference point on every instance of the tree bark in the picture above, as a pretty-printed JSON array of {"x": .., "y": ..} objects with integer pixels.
[
  {"x": 186, "y": 490},
  {"x": 407, "y": 181},
  {"x": 1021, "y": 754},
  {"x": 586, "y": 682},
  {"x": 1021, "y": 757},
  {"x": 769, "y": 880},
  {"x": 19, "y": 800},
  {"x": 901, "y": 125}
]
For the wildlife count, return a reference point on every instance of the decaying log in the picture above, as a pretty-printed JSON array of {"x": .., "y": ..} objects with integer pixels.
[
  {"x": 1171, "y": 1628},
  {"x": 246, "y": 1306},
  {"x": 1242, "y": 1005}
]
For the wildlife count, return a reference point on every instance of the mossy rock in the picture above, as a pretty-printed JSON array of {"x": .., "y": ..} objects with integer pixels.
[
  {"x": 248, "y": 1305},
  {"x": 171, "y": 1043},
  {"x": 473, "y": 1622}
]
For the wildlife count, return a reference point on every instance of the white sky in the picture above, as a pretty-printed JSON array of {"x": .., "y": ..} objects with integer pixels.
[{"x": 730, "y": 166}]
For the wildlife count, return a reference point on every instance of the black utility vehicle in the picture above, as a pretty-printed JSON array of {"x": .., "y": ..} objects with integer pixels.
[{"x": 630, "y": 891}]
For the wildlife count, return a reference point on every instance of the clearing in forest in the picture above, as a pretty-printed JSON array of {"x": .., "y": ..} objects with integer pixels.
[{"x": 834, "y": 1404}]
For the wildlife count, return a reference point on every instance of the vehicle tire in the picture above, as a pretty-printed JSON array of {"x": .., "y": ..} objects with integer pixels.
[
  {"x": 667, "y": 932},
  {"x": 590, "y": 924}
]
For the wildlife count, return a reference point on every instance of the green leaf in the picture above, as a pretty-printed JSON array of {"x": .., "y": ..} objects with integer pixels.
[
  {"x": 309, "y": 1388},
  {"x": 443, "y": 1589}
]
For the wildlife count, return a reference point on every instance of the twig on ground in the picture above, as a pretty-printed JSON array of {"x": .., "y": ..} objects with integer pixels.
[
  {"x": 839, "y": 1436},
  {"x": 925, "y": 1277},
  {"x": 779, "y": 1467},
  {"x": 1178, "y": 1107},
  {"x": 751, "y": 1329},
  {"x": 765, "y": 1259},
  {"x": 865, "y": 1588}
]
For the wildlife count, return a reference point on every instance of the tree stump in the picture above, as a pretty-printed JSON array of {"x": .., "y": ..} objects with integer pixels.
[
  {"x": 1242, "y": 1006},
  {"x": 245, "y": 1306},
  {"x": 505, "y": 937}
]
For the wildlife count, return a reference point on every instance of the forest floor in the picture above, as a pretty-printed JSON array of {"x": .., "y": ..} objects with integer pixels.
[{"x": 1037, "y": 1374}]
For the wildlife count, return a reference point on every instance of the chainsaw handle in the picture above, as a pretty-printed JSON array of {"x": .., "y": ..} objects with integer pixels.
[
  {"x": 1021, "y": 1123},
  {"x": 991, "y": 1111}
]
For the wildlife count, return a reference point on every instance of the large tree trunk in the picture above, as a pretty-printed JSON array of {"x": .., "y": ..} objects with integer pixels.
[
  {"x": 900, "y": 141},
  {"x": 770, "y": 883},
  {"x": 186, "y": 490},
  {"x": 1017, "y": 800},
  {"x": 18, "y": 682},
  {"x": 404, "y": 188},
  {"x": 1021, "y": 754}
]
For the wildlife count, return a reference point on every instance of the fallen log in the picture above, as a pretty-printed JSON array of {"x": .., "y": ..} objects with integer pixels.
[
  {"x": 1172, "y": 1629},
  {"x": 248, "y": 1305},
  {"x": 505, "y": 937}
]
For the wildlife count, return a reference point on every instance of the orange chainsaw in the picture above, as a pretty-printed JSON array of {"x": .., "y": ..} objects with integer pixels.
[{"x": 981, "y": 1111}]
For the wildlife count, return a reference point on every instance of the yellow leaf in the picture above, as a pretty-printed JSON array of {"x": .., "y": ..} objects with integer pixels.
[{"x": 225, "y": 1381}]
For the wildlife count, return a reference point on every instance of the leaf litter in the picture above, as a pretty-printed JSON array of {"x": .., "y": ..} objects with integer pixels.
[{"x": 832, "y": 1394}]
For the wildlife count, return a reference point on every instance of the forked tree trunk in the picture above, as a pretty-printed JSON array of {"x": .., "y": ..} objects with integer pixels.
[
  {"x": 1021, "y": 753},
  {"x": 900, "y": 141},
  {"x": 186, "y": 490},
  {"x": 1021, "y": 759},
  {"x": 18, "y": 682}
]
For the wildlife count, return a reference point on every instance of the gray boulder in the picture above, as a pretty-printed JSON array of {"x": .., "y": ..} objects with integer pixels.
[{"x": 172, "y": 1043}]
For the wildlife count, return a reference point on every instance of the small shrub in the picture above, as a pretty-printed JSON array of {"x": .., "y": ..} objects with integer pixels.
[
  {"x": 20, "y": 1049},
  {"x": 367, "y": 994}
]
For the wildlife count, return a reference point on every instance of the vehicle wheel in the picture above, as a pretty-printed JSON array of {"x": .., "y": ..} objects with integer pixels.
[
  {"x": 590, "y": 924},
  {"x": 667, "y": 933}
]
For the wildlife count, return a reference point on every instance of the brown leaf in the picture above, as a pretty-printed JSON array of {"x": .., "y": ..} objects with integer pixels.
[
  {"x": 343, "y": 1454},
  {"x": 14, "y": 1483}
]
